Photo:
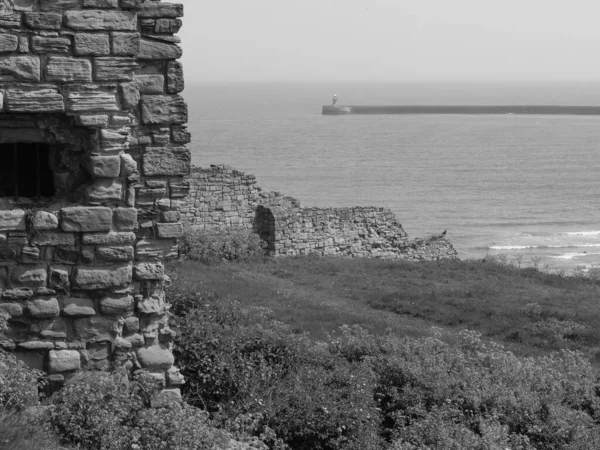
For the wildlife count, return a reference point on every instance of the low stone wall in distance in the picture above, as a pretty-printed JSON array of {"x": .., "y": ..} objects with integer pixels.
[{"x": 222, "y": 197}]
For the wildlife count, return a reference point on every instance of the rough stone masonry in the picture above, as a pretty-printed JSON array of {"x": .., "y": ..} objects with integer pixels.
[{"x": 91, "y": 89}]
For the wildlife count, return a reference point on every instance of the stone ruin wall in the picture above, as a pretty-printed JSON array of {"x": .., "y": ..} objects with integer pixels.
[
  {"x": 96, "y": 83},
  {"x": 222, "y": 197}
]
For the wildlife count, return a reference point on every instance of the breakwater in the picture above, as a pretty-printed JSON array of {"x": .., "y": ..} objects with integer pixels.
[
  {"x": 330, "y": 110},
  {"x": 221, "y": 197}
]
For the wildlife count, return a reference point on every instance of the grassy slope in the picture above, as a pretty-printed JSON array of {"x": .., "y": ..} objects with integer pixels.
[{"x": 319, "y": 294}]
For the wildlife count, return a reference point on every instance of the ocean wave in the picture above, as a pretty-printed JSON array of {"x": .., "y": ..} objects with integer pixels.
[
  {"x": 524, "y": 247},
  {"x": 581, "y": 233},
  {"x": 512, "y": 247},
  {"x": 572, "y": 255}
]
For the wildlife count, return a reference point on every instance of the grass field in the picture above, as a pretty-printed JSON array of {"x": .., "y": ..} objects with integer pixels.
[{"x": 531, "y": 312}]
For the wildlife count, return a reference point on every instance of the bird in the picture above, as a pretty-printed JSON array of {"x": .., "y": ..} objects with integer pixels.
[{"x": 444, "y": 233}]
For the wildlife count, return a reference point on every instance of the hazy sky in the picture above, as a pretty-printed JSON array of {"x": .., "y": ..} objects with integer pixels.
[{"x": 386, "y": 40}]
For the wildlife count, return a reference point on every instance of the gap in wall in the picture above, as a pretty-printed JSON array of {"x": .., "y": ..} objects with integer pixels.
[{"x": 25, "y": 171}]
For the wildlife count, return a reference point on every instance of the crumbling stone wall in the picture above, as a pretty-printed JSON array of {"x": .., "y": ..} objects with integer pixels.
[
  {"x": 81, "y": 273},
  {"x": 222, "y": 197}
]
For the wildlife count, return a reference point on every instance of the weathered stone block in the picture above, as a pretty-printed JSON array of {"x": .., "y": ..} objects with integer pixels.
[
  {"x": 36, "y": 345},
  {"x": 155, "y": 358},
  {"x": 8, "y": 43},
  {"x": 89, "y": 278},
  {"x": 125, "y": 219},
  {"x": 128, "y": 165},
  {"x": 153, "y": 305},
  {"x": 78, "y": 307},
  {"x": 150, "y": 49},
  {"x": 152, "y": 250},
  {"x": 114, "y": 140},
  {"x": 109, "y": 239},
  {"x": 87, "y": 99},
  {"x": 53, "y": 5},
  {"x": 114, "y": 69},
  {"x": 17, "y": 294},
  {"x": 116, "y": 306},
  {"x": 93, "y": 44},
  {"x": 33, "y": 99},
  {"x": 151, "y": 84},
  {"x": 10, "y": 19},
  {"x": 43, "y": 220},
  {"x": 114, "y": 254},
  {"x": 50, "y": 44},
  {"x": 86, "y": 218},
  {"x": 164, "y": 109},
  {"x": 60, "y": 68},
  {"x": 43, "y": 309},
  {"x": 166, "y": 161},
  {"x": 44, "y": 238},
  {"x": 130, "y": 95},
  {"x": 13, "y": 219},
  {"x": 167, "y": 26},
  {"x": 98, "y": 328},
  {"x": 12, "y": 309},
  {"x": 175, "y": 80},
  {"x": 131, "y": 325},
  {"x": 169, "y": 230},
  {"x": 93, "y": 121},
  {"x": 59, "y": 278},
  {"x": 63, "y": 361},
  {"x": 28, "y": 277},
  {"x": 30, "y": 255},
  {"x": 66, "y": 254},
  {"x": 101, "y": 4},
  {"x": 149, "y": 271},
  {"x": 126, "y": 44},
  {"x": 24, "y": 44},
  {"x": 55, "y": 328},
  {"x": 104, "y": 190},
  {"x": 155, "y": 9},
  {"x": 93, "y": 20},
  {"x": 104, "y": 166},
  {"x": 43, "y": 20},
  {"x": 20, "y": 68}
]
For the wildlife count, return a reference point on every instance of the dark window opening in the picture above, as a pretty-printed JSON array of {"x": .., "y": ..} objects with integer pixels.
[{"x": 25, "y": 171}]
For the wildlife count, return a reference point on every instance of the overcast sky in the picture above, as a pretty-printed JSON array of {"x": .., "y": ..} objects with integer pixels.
[{"x": 391, "y": 40}]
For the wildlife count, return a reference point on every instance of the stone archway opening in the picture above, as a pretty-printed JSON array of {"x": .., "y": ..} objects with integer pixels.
[{"x": 264, "y": 226}]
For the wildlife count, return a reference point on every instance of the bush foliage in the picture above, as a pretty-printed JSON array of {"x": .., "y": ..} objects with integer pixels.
[
  {"x": 217, "y": 245},
  {"x": 361, "y": 391},
  {"x": 105, "y": 412}
]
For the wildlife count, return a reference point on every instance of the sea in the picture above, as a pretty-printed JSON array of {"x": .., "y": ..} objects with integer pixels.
[{"x": 524, "y": 188}]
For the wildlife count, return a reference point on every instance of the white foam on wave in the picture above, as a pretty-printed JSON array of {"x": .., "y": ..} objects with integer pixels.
[
  {"x": 524, "y": 247},
  {"x": 573, "y": 255},
  {"x": 512, "y": 247},
  {"x": 568, "y": 256},
  {"x": 582, "y": 233}
]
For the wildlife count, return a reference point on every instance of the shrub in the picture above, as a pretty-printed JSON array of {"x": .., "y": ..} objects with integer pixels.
[
  {"x": 18, "y": 383},
  {"x": 327, "y": 405},
  {"x": 24, "y": 431},
  {"x": 231, "y": 357},
  {"x": 216, "y": 245},
  {"x": 104, "y": 412},
  {"x": 477, "y": 395}
]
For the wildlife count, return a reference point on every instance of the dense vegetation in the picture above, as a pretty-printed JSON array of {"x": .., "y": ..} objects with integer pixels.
[{"x": 324, "y": 353}]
